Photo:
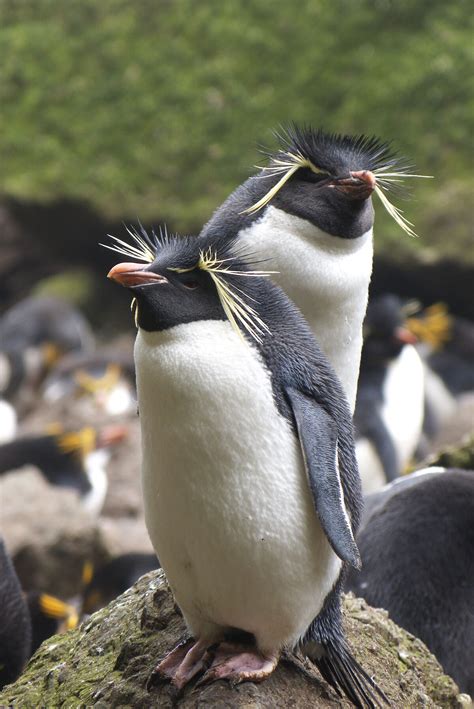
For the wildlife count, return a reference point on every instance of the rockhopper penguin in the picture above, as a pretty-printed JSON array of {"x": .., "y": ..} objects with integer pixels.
[
  {"x": 251, "y": 489},
  {"x": 309, "y": 214}
]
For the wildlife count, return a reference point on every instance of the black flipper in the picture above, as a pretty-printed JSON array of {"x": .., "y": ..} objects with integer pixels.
[
  {"x": 325, "y": 645},
  {"x": 317, "y": 432},
  {"x": 381, "y": 439}
]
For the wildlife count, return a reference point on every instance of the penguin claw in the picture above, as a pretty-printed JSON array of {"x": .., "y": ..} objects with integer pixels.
[
  {"x": 238, "y": 663},
  {"x": 182, "y": 664}
]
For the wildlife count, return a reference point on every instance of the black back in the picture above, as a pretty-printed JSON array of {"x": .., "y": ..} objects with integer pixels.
[
  {"x": 57, "y": 466},
  {"x": 417, "y": 563}
]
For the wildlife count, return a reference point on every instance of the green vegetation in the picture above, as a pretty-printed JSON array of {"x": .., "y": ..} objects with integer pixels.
[{"x": 155, "y": 107}]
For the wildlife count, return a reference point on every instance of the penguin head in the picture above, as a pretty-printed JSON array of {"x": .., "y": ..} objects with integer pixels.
[
  {"x": 188, "y": 279},
  {"x": 328, "y": 179},
  {"x": 384, "y": 332},
  {"x": 49, "y": 616}
]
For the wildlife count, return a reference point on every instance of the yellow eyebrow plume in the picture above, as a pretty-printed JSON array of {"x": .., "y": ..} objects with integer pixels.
[{"x": 239, "y": 312}]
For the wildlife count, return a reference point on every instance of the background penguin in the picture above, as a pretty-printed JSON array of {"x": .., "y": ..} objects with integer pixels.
[
  {"x": 417, "y": 563},
  {"x": 49, "y": 616},
  {"x": 67, "y": 459},
  {"x": 114, "y": 577},
  {"x": 247, "y": 434},
  {"x": 447, "y": 344},
  {"x": 34, "y": 335},
  {"x": 389, "y": 411},
  {"x": 37, "y": 321},
  {"x": 108, "y": 377},
  {"x": 315, "y": 230},
  {"x": 15, "y": 624}
]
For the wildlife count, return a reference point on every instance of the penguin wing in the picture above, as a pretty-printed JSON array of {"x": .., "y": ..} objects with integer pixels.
[{"x": 317, "y": 433}]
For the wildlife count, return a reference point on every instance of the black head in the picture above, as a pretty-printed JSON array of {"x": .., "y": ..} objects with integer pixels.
[
  {"x": 188, "y": 279},
  {"x": 324, "y": 178},
  {"x": 49, "y": 615},
  {"x": 384, "y": 331}
]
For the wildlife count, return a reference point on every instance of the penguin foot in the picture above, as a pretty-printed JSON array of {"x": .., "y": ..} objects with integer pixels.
[
  {"x": 183, "y": 663},
  {"x": 240, "y": 663}
]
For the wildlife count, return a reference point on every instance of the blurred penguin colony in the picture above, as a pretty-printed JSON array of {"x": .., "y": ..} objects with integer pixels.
[{"x": 72, "y": 530}]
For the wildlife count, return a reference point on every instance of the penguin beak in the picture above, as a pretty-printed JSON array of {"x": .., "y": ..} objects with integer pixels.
[
  {"x": 402, "y": 334},
  {"x": 112, "y": 434},
  {"x": 134, "y": 274},
  {"x": 357, "y": 185}
]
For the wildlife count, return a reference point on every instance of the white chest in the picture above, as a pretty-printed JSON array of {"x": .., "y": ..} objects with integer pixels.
[
  {"x": 328, "y": 279},
  {"x": 227, "y": 503},
  {"x": 402, "y": 414},
  {"x": 404, "y": 401}
]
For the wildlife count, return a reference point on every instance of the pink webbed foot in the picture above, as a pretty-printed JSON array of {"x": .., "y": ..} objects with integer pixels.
[
  {"x": 183, "y": 663},
  {"x": 240, "y": 663}
]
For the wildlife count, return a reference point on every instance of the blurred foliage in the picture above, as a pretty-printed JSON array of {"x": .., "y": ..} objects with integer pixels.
[{"x": 155, "y": 108}]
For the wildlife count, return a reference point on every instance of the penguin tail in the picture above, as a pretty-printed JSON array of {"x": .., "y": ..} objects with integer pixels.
[{"x": 325, "y": 645}]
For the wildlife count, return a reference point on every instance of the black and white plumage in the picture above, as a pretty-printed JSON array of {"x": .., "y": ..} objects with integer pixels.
[
  {"x": 74, "y": 460},
  {"x": 107, "y": 377},
  {"x": 15, "y": 623},
  {"x": 389, "y": 410},
  {"x": 416, "y": 544},
  {"x": 248, "y": 456},
  {"x": 316, "y": 231},
  {"x": 34, "y": 334}
]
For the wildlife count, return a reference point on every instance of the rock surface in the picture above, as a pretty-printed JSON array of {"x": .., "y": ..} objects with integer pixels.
[{"x": 107, "y": 661}]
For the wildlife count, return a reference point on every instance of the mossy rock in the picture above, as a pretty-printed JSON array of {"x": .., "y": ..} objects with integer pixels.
[{"x": 107, "y": 661}]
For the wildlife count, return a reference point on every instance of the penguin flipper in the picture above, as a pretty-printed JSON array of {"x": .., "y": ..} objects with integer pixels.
[
  {"x": 317, "y": 433},
  {"x": 326, "y": 647},
  {"x": 383, "y": 443}
]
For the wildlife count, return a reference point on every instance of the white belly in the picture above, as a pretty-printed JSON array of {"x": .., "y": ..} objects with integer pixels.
[
  {"x": 227, "y": 503},
  {"x": 328, "y": 279},
  {"x": 402, "y": 414}
]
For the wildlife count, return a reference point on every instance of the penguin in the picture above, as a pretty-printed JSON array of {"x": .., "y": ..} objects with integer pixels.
[
  {"x": 38, "y": 321},
  {"x": 416, "y": 547},
  {"x": 114, "y": 577},
  {"x": 250, "y": 482},
  {"x": 310, "y": 214},
  {"x": 447, "y": 344},
  {"x": 389, "y": 410},
  {"x": 15, "y": 623},
  {"x": 49, "y": 616},
  {"x": 108, "y": 378},
  {"x": 74, "y": 459}
]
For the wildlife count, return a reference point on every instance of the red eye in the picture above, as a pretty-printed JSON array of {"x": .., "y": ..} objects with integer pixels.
[{"x": 191, "y": 284}]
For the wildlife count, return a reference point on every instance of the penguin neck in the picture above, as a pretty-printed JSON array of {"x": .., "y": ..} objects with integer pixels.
[{"x": 326, "y": 276}]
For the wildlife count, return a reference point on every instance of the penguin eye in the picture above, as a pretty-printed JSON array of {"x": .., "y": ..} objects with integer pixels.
[{"x": 190, "y": 284}]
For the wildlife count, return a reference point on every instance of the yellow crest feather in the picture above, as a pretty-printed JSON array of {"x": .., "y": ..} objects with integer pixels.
[
  {"x": 434, "y": 327},
  {"x": 239, "y": 312}
]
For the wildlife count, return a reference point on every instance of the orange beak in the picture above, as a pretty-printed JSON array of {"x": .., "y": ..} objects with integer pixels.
[
  {"x": 134, "y": 274},
  {"x": 359, "y": 185}
]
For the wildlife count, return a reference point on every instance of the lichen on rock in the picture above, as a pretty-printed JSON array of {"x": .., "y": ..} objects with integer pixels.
[{"x": 107, "y": 662}]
